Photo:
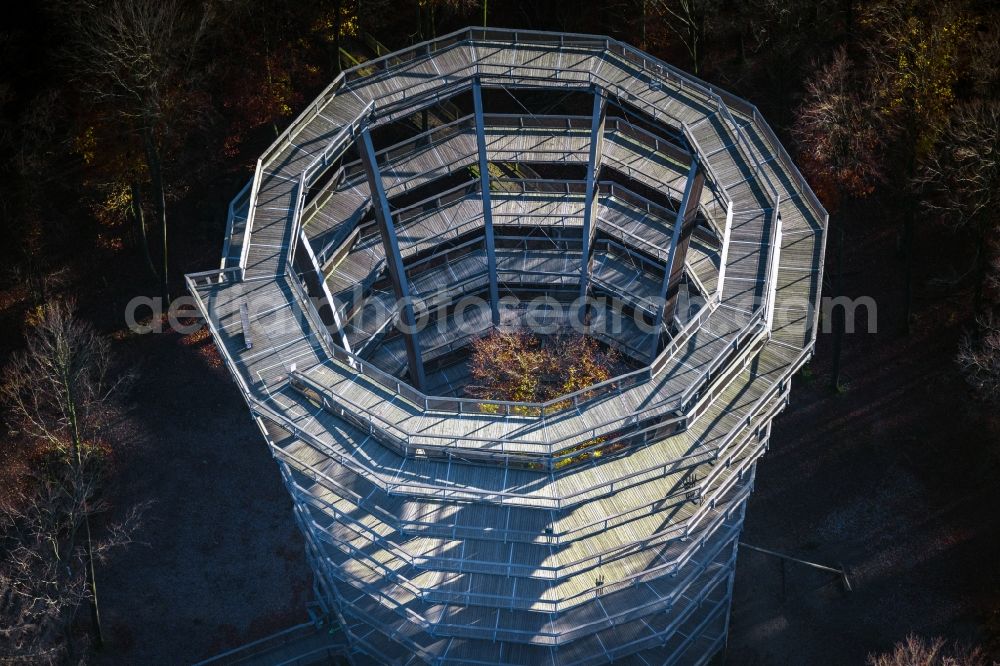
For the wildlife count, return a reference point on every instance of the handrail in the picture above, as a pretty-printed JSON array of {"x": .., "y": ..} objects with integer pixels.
[
  {"x": 776, "y": 388},
  {"x": 482, "y": 406},
  {"x": 496, "y": 404},
  {"x": 618, "y": 248},
  {"x": 306, "y": 175},
  {"x": 699, "y": 285},
  {"x": 191, "y": 280},
  {"x": 256, "y": 406},
  {"x": 303, "y": 118},
  {"x": 721, "y": 357},
  {"x": 505, "y": 534},
  {"x": 771, "y": 270},
  {"x": 612, "y": 247},
  {"x": 703, "y": 488},
  {"x": 560, "y": 502},
  {"x": 649, "y": 64},
  {"x": 231, "y": 219},
  {"x": 562, "y": 123},
  {"x": 819, "y": 211},
  {"x": 684, "y": 335},
  {"x": 679, "y": 558},
  {"x": 546, "y": 408},
  {"x": 279, "y": 144},
  {"x": 331, "y": 153},
  {"x": 646, "y": 62},
  {"x": 613, "y": 190},
  {"x": 555, "y": 122},
  {"x": 649, "y": 637},
  {"x": 300, "y": 196},
  {"x": 419, "y": 560},
  {"x": 409, "y": 443},
  {"x": 447, "y": 128},
  {"x": 657, "y": 144},
  {"x": 251, "y": 208},
  {"x": 724, "y": 252},
  {"x": 541, "y": 409},
  {"x": 309, "y": 310},
  {"x": 775, "y": 231},
  {"x": 718, "y": 573}
]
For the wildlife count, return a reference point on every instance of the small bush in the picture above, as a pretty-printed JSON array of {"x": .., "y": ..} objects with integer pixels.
[
  {"x": 917, "y": 651},
  {"x": 519, "y": 366},
  {"x": 979, "y": 357}
]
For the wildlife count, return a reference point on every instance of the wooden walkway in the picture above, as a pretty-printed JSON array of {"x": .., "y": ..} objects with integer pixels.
[{"x": 434, "y": 529}]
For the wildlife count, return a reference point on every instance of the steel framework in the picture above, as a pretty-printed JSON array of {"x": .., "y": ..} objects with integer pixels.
[{"x": 602, "y": 525}]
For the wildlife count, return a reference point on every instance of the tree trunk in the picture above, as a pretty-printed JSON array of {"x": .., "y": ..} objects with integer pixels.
[
  {"x": 76, "y": 465},
  {"x": 908, "y": 223},
  {"x": 848, "y": 8},
  {"x": 982, "y": 262},
  {"x": 95, "y": 611},
  {"x": 642, "y": 24},
  {"x": 839, "y": 314},
  {"x": 160, "y": 206},
  {"x": 140, "y": 221},
  {"x": 699, "y": 43},
  {"x": 337, "y": 8}
]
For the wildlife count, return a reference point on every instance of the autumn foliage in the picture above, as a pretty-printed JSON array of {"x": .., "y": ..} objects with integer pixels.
[{"x": 522, "y": 367}]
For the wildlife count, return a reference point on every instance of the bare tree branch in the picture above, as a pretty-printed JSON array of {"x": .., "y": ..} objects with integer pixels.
[
  {"x": 60, "y": 395},
  {"x": 837, "y": 132}
]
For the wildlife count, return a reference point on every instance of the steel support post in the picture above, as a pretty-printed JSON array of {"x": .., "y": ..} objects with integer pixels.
[
  {"x": 393, "y": 260},
  {"x": 687, "y": 219},
  {"x": 590, "y": 202},
  {"x": 484, "y": 187}
]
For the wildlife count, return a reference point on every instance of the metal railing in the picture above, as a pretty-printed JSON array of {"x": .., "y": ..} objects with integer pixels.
[
  {"x": 333, "y": 151},
  {"x": 724, "y": 244},
  {"x": 695, "y": 590},
  {"x": 761, "y": 411},
  {"x": 751, "y": 330},
  {"x": 649, "y": 65},
  {"x": 409, "y": 444},
  {"x": 612, "y": 484},
  {"x": 561, "y": 502},
  {"x": 251, "y": 209},
  {"x": 507, "y": 408},
  {"x": 352, "y": 172},
  {"x": 212, "y": 278},
  {"x": 693, "y": 530},
  {"x": 239, "y": 201},
  {"x": 432, "y": 206},
  {"x": 540, "y": 409},
  {"x": 608, "y": 520},
  {"x": 701, "y": 552},
  {"x": 321, "y": 160},
  {"x": 280, "y": 143}
]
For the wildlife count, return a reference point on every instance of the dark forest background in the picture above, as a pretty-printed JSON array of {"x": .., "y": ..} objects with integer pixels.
[{"x": 127, "y": 126}]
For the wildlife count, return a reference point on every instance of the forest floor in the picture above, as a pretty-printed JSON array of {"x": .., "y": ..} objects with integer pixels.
[
  {"x": 895, "y": 478},
  {"x": 221, "y": 561}
]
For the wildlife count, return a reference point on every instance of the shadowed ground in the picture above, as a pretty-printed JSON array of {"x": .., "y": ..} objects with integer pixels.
[{"x": 896, "y": 478}]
